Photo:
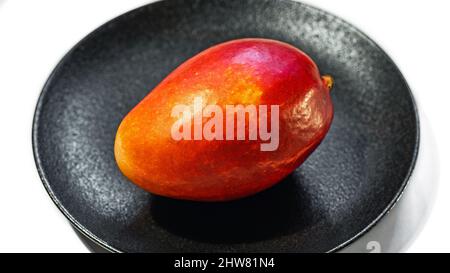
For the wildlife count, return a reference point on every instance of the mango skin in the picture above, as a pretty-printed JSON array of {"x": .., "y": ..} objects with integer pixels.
[{"x": 244, "y": 71}]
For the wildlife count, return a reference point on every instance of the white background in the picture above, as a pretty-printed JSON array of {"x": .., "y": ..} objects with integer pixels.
[{"x": 34, "y": 35}]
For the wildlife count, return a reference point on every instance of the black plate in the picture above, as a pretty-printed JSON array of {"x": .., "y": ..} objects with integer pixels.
[{"x": 343, "y": 189}]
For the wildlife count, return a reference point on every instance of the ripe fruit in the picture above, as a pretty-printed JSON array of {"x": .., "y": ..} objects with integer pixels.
[{"x": 151, "y": 151}]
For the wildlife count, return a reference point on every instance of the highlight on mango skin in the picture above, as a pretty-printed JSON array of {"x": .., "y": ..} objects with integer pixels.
[
  {"x": 239, "y": 110},
  {"x": 235, "y": 122}
]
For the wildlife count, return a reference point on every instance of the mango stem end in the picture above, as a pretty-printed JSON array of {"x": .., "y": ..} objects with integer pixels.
[{"x": 328, "y": 81}]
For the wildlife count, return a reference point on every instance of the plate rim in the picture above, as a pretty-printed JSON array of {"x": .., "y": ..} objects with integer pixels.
[{"x": 94, "y": 238}]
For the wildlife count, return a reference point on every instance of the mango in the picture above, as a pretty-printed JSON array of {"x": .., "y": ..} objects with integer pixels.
[{"x": 228, "y": 123}]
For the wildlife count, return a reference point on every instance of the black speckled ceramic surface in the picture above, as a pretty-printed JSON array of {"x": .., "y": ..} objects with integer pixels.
[{"x": 344, "y": 188}]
